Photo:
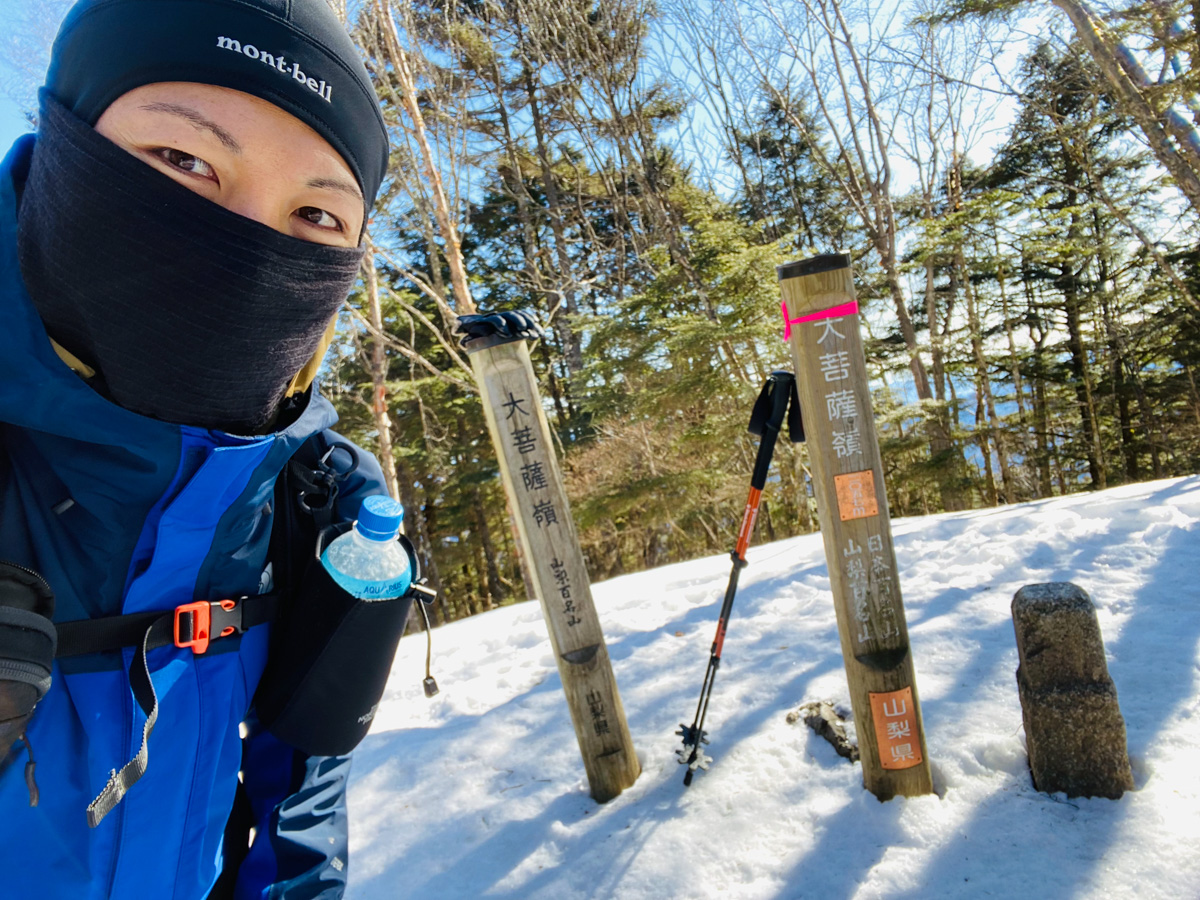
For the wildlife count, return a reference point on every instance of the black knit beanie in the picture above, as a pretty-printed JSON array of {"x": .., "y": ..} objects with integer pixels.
[{"x": 292, "y": 53}]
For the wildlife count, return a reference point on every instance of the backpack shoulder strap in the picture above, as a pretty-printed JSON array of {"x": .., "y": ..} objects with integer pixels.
[{"x": 306, "y": 500}]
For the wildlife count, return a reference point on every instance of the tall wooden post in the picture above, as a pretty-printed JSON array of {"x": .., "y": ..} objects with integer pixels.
[
  {"x": 535, "y": 490},
  {"x": 821, "y": 325}
]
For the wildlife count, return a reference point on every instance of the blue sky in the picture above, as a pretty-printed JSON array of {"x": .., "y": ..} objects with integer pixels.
[
  {"x": 12, "y": 124},
  {"x": 16, "y": 16},
  {"x": 12, "y": 111}
]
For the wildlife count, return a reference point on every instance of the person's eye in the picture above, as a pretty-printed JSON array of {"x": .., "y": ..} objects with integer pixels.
[
  {"x": 320, "y": 218},
  {"x": 194, "y": 165}
]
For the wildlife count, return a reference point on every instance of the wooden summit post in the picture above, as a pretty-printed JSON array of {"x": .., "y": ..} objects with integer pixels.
[
  {"x": 820, "y": 315},
  {"x": 534, "y": 485}
]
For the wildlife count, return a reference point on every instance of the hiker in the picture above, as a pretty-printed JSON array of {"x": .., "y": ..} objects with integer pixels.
[{"x": 175, "y": 244}]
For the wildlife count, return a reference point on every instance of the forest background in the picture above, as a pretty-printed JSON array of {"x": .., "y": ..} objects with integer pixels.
[{"x": 1017, "y": 183}]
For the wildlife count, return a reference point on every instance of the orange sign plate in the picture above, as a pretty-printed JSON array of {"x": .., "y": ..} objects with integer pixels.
[
  {"x": 856, "y": 495},
  {"x": 896, "y": 729}
]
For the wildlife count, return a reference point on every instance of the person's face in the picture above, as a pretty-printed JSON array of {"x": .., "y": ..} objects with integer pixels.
[{"x": 242, "y": 153}]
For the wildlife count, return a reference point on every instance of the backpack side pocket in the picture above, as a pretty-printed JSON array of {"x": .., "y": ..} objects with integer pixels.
[{"x": 331, "y": 654}]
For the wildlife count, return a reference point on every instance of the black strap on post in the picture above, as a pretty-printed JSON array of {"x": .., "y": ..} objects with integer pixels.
[
  {"x": 477, "y": 332},
  {"x": 795, "y": 419}
]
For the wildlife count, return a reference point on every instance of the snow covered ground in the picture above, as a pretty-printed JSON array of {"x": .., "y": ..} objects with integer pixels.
[{"x": 480, "y": 792}]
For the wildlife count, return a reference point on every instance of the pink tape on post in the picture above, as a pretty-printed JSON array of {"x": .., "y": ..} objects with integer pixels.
[{"x": 834, "y": 312}]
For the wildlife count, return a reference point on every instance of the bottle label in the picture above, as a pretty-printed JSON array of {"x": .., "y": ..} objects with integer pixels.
[{"x": 371, "y": 590}]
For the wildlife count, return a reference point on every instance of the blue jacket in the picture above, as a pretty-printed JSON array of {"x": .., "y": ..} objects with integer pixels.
[{"x": 123, "y": 514}]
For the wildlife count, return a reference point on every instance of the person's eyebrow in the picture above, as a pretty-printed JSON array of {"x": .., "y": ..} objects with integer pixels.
[
  {"x": 186, "y": 112},
  {"x": 336, "y": 184}
]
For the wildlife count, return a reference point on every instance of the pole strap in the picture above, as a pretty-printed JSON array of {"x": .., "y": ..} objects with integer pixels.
[{"x": 777, "y": 394}]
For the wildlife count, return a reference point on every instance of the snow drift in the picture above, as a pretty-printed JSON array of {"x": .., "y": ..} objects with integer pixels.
[{"x": 480, "y": 792}]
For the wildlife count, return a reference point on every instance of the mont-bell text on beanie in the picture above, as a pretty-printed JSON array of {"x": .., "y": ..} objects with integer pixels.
[
  {"x": 310, "y": 68},
  {"x": 278, "y": 62}
]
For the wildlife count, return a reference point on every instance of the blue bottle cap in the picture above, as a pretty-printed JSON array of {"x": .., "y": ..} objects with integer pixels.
[{"x": 379, "y": 518}]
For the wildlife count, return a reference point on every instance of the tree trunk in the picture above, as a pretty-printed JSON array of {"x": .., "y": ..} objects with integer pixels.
[
  {"x": 495, "y": 587},
  {"x": 416, "y": 526},
  {"x": 1081, "y": 380},
  {"x": 1195, "y": 394},
  {"x": 941, "y": 449},
  {"x": 1180, "y": 156},
  {"x": 379, "y": 372},
  {"x": 1041, "y": 423},
  {"x": 983, "y": 388},
  {"x": 566, "y": 324},
  {"x": 402, "y": 71}
]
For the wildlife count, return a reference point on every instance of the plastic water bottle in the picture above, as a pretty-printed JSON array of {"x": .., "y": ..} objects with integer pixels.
[{"x": 367, "y": 561}]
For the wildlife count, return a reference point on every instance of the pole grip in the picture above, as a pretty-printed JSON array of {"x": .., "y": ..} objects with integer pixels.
[{"x": 767, "y": 419}]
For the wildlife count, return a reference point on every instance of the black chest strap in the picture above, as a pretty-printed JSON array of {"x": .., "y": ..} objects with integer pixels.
[
  {"x": 192, "y": 625},
  {"x": 195, "y": 625}
]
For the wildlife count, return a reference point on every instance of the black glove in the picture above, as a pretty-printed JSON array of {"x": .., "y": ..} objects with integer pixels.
[
  {"x": 497, "y": 327},
  {"x": 27, "y": 644}
]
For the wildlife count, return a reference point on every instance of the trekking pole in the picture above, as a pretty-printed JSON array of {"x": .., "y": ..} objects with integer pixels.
[{"x": 765, "y": 421}]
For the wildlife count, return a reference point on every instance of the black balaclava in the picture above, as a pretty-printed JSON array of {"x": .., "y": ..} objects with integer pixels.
[{"x": 190, "y": 313}]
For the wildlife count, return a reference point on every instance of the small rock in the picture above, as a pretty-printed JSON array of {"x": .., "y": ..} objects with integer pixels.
[{"x": 823, "y": 718}]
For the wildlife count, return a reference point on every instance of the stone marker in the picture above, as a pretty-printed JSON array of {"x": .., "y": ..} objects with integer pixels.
[{"x": 1073, "y": 725}]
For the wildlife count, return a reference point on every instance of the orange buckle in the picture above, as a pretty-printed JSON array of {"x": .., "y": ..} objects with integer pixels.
[{"x": 201, "y": 622}]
